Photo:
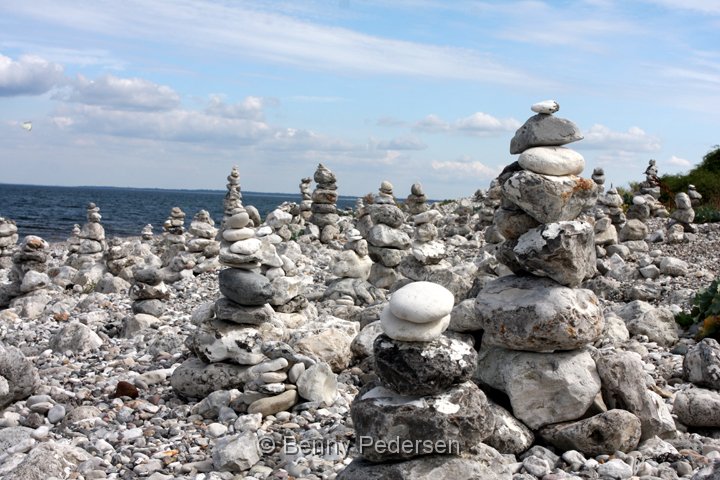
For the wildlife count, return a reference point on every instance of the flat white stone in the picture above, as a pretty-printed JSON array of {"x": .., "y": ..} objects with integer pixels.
[
  {"x": 546, "y": 106},
  {"x": 246, "y": 247},
  {"x": 405, "y": 331},
  {"x": 237, "y": 234},
  {"x": 556, "y": 161},
  {"x": 422, "y": 302}
]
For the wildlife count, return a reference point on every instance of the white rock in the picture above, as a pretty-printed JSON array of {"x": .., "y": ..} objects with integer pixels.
[
  {"x": 318, "y": 384},
  {"x": 403, "y": 330},
  {"x": 237, "y": 234},
  {"x": 546, "y": 106},
  {"x": 246, "y": 247},
  {"x": 239, "y": 220},
  {"x": 422, "y": 302},
  {"x": 552, "y": 161}
]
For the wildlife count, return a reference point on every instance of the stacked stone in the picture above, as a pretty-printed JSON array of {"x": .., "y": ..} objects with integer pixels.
[
  {"x": 202, "y": 244},
  {"x": 30, "y": 265},
  {"x": 352, "y": 266},
  {"x": 282, "y": 272},
  {"x": 305, "y": 198},
  {"x": 388, "y": 243},
  {"x": 74, "y": 240},
  {"x": 536, "y": 324},
  {"x": 682, "y": 218},
  {"x": 363, "y": 222},
  {"x": 324, "y": 209},
  {"x": 416, "y": 202},
  {"x": 611, "y": 204},
  {"x": 148, "y": 292},
  {"x": 92, "y": 241},
  {"x": 280, "y": 220},
  {"x": 8, "y": 240},
  {"x": 119, "y": 259},
  {"x": 426, "y": 248},
  {"x": 650, "y": 191},
  {"x": 605, "y": 231},
  {"x": 695, "y": 196},
  {"x": 423, "y": 397},
  {"x": 461, "y": 220},
  {"x": 174, "y": 228},
  {"x": 490, "y": 201},
  {"x": 146, "y": 235},
  {"x": 635, "y": 228}
]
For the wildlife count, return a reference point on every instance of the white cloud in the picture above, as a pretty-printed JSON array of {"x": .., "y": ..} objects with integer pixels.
[
  {"x": 711, "y": 7},
  {"x": 432, "y": 124},
  {"x": 465, "y": 168},
  {"x": 250, "y": 108},
  {"x": 388, "y": 121},
  {"x": 29, "y": 75},
  {"x": 600, "y": 137},
  {"x": 477, "y": 124},
  {"x": 400, "y": 143},
  {"x": 120, "y": 93},
  {"x": 679, "y": 162}
]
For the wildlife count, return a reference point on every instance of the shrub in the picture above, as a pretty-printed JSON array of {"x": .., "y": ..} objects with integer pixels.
[
  {"x": 706, "y": 309},
  {"x": 707, "y": 214}
]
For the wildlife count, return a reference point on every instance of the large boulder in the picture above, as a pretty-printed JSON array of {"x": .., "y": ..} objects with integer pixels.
[
  {"x": 19, "y": 374},
  {"x": 701, "y": 365},
  {"x": 657, "y": 323},
  {"x": 602, "y": 434}
]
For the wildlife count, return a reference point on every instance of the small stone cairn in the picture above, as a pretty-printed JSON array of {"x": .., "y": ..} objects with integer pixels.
[
  {"x": 695, "y": 196},
  {"x": 92, "y": 241},
  {"x": 119, "y": 258},
  {"x": 650, "y": 191},
  {"x": 30, "y": 265},
  {"x": 363, "y": 221},
  {"x": 681, "y": 218},
  {"x": 174, "y": 231},
  {"x": 388, "y": 243},
  {"x": 74, "y": 240},
  {"x": 352, "y": 266},
  {"x": 324, "y": 209},
  {"x": 416, "y": 202},
  {"x": 605, "y": 231},
  {"x": 8, "y": 241},
  {"x": 423, "y": 397},
  {"x": 148, "y": 293},
  {"x": 202, "y": 244},
  {"x": 146, "y": 235},
  {"x": 305, "y": 198},
  {"x": 537, "y": 325}
]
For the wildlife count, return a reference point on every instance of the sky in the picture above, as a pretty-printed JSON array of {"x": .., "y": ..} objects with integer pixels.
[{"x": 173, "y": 93}]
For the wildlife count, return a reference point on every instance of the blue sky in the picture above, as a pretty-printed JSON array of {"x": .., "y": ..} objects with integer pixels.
[{"x": 172, "y": 94}]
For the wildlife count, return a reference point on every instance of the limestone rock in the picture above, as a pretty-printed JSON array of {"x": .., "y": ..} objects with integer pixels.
[
  {"x": 75, "y": 337},
  {"x": 272, "y": 405},
  {"x": 382, "y": 235},
  {"x": 544, "y": 388},
  {"x": 552, "y": 161},
  {"x": 245, "y": 287},
  {"x": 331, "y": 346},
  {"x": 403, "y": 330},
  {"x": 217, "y": 341},
  {"x": 701, "y": 364},
  {"x": 421, "y": 302},
  {"x": 197, "y": 379},
  {"x": 230, "y": 311},
  {"x": 602, "y": 434},
  {"x": 537, "y": 314},
  {"x": 698, "y": 407},
  {"x": 19, "y": 373},
  {"x": 510, "y": 434},
  {"x": 236, "y": 453},
  {"x": 318, "y": 384},
  {"x": 658, "y": 324}
]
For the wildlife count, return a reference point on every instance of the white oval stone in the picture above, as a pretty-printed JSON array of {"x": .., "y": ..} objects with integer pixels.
[
  {"x": 558, "y": 161},
  {"x": 246, "y": 247},
  {"x": 237, "y": 234},
  {"x": 638, "y": 200},
  {"x": 422, "y": 302},
  {"x": 239, "y": 220},
  {"x": 546, "y": 106},
  {"x": 405, "y": 331}
]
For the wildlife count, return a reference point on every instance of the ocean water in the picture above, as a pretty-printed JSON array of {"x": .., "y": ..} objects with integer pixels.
[{"x": 50, "y": 212}]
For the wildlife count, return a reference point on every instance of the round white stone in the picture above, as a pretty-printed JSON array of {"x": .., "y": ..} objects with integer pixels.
[
  {"x": 557, "y": 161},
  {"x": 246, "y": 247},
  {"x": 546, "y": 106},
  {"x": 422, "y": 302},
  {"x": 237, "y": 234},
  {"x": 239, "y": 220},
  {"x": 405, "y": 331},
  {"x": 638, "y": 200}
]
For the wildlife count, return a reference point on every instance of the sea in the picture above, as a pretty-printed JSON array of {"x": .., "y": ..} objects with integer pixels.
[{"x": 51, "y": 211}]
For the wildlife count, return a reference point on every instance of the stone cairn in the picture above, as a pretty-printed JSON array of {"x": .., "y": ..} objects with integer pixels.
[
  {"x": 30, "y": 265},
  {"x": 605, "y": 231},
  {"x": 174, "y": 231},
  {"x": 681, "y": 218},
  {"x": 147, "y": 293},
  {"x": 363, "y": 222},
  {"x": 460, "y": 220},
  {"x": 388, "y": 243},
  {"x": 695, "y": 196},
  {"x": 305, "y": 198},
  {"x": 202, "y": 244},
  {"x": 8, "y": 241},
  {"x": 146, "y": 235},
  {"x": 119, "y": 259},
  {"x": 352, "y": 266},
  {"x": 92, "y": 241},
  {"x": 324, "y": 209},
  {"x": 235, "y": 345},
  {"x": 650, "y": 191},
  {"x": 74, "y": 240},
  {"x": 423, "y": 396},
  {"x": 536, "y": 324},
  {"x": 416, "y": 202}
]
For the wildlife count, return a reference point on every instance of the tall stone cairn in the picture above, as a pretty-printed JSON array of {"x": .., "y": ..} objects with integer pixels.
[
  {"x": 324, "y": 208},
  {"x": 305, "y": 198},
  {"x": 536, "y": 324},
  {"x": 423, "y": 397},
  {"x": 202, "y": 244},
  {"x": 92, "y": 240},
  {"x": 388, "y": 242},
  {"x": 8, "y": 241},
  {"x": 174, "y": 227},
  {"x": 416, "y": 202}
]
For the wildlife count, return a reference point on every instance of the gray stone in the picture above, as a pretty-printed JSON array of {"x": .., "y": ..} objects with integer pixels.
[
  {"x": 33, "y": 281},
  {"x": 362, "y": 344},
  {"x": 510, "y": 434},
  {"x": 549, "y": 198},
  {"x": 543, "y": 388},
  {"x": 511, "y": 223},
  {"x": 152, "y": 307},
  {"x": 537, "y": 314},
  {"x": 406, "y": 331},
  {"x": 459, "y": 416},
  {"x": 701, "y": 364},
  {"x": 389, "y": 257},
  {"x": 624, "y": 387},
  {"x": 633, "y": 229},
  {"x": 285, "y": 289},
  {"x": 331, "y": 346},
  {"x": 76, "y": 337},
  {"x": 49, "y": 460},
  {"x": 543, "y": 129},
  {"x": 423, "y": 368},
  {"x": 245, "y": 287},
  {"x": 421, "y": 302},
  {"x": 673, "y": 266},
  {"x": 658, "y": 324},
  {"x": 226, "y": 309},
  {"x": 382, "y": 235},
  {"x": 133, "y": 324},
  {"x": 698, "y": 407},
  {"x": 563, "y": 251},
  {"x": 464, "y": 318},
  {"x": 19, "y": 372},
  {"x": 197, "y": 379},
  {"x": 552, "y": 161},
  {"x": 615, "y": 469},
  {"x": 602, "y": 434},
  {"x": 236, "y": 453},
  {"x": 272, "y": 405},
  {"x": 318, "y": 384},
  {"x": 389, "y": 215},
  {"x": 217, "y": 341},
  {"x": 11, "y": 436}
]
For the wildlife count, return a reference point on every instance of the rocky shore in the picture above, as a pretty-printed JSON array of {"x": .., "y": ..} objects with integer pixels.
[{"x": 501, "y": 342}]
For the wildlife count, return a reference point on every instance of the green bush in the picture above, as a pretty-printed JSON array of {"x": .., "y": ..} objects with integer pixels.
[
  {"x": 706, "y": 309},
  {"x": 705, "y": 177},
  {"x": 707, "y": 214}
]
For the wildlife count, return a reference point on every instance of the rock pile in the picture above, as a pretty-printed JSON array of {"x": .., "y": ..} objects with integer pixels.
[
  {"x": 8, "y": 240},
  {"x": 305, "y": 198},
  {"x": 324, "y": 199},
  {"x": 681, "y": 218},
  {"x": 202, "y": 244},
  {"x": 174, "y": 230},
  {"x": 695, "y": 196},
  {"x": 147, "y": 293},
  {"x": 146, "y": 235},
  {"x": 416, "y": 202},
  {"x": 73, "y": 240},
  {"x": 388, "y": 242},
  {"x": 537, "y": 325},
  {"x": 423, "y": 413},
  {"x": 30, "y": 264},
  {"x": 352, "y": 267},
  {"x": 92, "y": 241},
  {"x": 119, "y": 258}
]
